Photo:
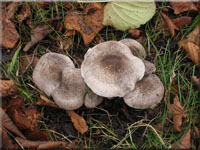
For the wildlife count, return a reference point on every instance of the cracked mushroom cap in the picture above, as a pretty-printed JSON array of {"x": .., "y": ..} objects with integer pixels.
[
  {"x": 147, "y": 94},
  {"x": 71, "y": 92},
  {"x": 138, "y": 50},
  {"x": 110, "y": 70},
  {"x": 92, "y": 100},
  {"x": 48, "y": 71}
]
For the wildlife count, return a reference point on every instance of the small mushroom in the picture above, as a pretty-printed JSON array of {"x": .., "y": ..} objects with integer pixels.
[
  {"x": 92, "y": 100},
  {"x": 138, "y": 50},
  {"x": 147, "y": 94},
  {"x": 110, "y": 70},
  {"x": 71, "y": 92},
  {"x": 48, "y": 71}
]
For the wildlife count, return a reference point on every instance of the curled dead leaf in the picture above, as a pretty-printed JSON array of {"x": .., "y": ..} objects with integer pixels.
[
  {"x": 7, "y": 87},
  {"x": 88, "y": 22},
  {"x": 37, "y": 34},
  {"x": 24, "y": 13},
  {"x": 180, "y": 7},
  {"x": 9, "y": 12},
  {"x": 172, "y": 27},
  {"x": 185, "y": 142},
  {"x": 78, "y": 121}
]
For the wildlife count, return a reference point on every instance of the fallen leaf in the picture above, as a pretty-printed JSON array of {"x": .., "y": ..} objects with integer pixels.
[
  {"x": 179, "y": 22},
  {"x": 69, "y": 33},
  {"x": 172, "y": 27},
  {"x": 196, "y": 130},
  {"x": 180, "y": 7},
  {"x": 196, "y": 80},
  {"x": 8, "y": 124},
  {"x": 43, "y": 4},
  {"x": 128, "y": 15},
  {"x": 177, "y": 112},
  {"x": 37, "y": 34},
  {"x": 44, "y": 101},
  {"x": 7, "y": 88},
  {"x": 9, "y": 12},
  {"x": 7, "y": 142},
  {"x": 185, "y": 142},
  {"x": 28, "y": 61},
  {"x": 24, "y": 13},
  {"x": 41, "y": 144},
  {"x": 78, "y": 121},
  {"x": 194, "y": 36},
  {"x": 9, "y": 36},
  {"x": 88, "y": 22},
  {"x": 37, "y": 135},
  {"x": 135, "y": 33}
]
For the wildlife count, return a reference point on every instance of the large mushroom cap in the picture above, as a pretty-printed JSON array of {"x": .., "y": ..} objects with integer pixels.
[
  {"x": 48, "y": 71},
  {"x": 110, "y": 70},
  {"x": 70, "y": 94},
  {"x": 136, "y": 48},
  {"x": 92, "y": 100},
  {"x": 147, "y": 93}
]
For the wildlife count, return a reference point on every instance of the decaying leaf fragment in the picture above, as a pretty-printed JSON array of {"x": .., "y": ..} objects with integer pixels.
[
  {"x": 7, "y": 87},
  {"x": 180, "y": 7},
  {"x": 191, "y": 44},
  {"x": 172, "y": 27},
  {"x": 88, "y": 22},
  {"x": 24, "y": 13},
  {"x": 185, "y": 142},
  {"x": 37, "y": 34},
  {"x": 177, "y": 112},
  {"x": 79, "y": 122}
]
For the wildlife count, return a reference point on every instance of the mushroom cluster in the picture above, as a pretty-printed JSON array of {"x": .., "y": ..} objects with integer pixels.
[{"x": 109, "y": 69}]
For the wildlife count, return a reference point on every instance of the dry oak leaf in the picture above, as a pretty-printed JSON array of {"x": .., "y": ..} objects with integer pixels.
[
  {"x": 185, "y": 142},
  {"x": 172, "y": 27},
  {"x": 87, "y": 22},
  {"x": 178, "y": 113},
  {"x": 8, "y": 124},
  {"x": 179, "y": 22},
  {"x": 38, "y": 34},
  {"x": 7, "y": 87},
  {"x": 40, "y": 144},
  {"x": 78, "y": 121},
  {"x": 180, "y": 7},
  {"x": 24, "y": 13},
  {"x": 9, "y": 36}
]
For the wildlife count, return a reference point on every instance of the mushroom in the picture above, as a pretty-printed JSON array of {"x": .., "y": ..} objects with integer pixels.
[
  {"x": 138, "y": 50},
  {"x": 48, "y": 71},
  {"x": 110, "y": 70},
  {"x": 147, "y": 94},
  {"x": 70, "y": 93},
  {"x": 92, "y": 100}
]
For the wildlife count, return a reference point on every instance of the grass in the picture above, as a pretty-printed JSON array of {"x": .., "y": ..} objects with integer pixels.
[{"x": 173, "y": 68}]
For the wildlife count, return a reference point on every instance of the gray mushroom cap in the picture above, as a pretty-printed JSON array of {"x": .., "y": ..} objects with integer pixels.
[
  {"x": 92, "y": 100},
  {"x": 110, "y": 70},
  {"x": 48, "y": 71},
  {"x": 70, "y": 93},
  {"x": 147, "y": 94},
  {"x": 138, "y": 50}
]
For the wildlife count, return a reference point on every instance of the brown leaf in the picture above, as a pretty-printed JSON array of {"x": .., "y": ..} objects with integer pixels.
[
  {"x": 24, "y": 13},
  {"x": 7, "y": 142},
  {"x": 196, "y": 80},
  {"x": 177, "y": 113},
  {"x": 196, "y": 130},
  {"x": 41, "y": 144},
  {"x": 88, "y": 22},
  {"x": 172, "y": 27},
  {"x": 28, "y": 60},
  {"x": 37, "y": 34},
  {"x": 78, "y": 121},
  {"x": 7, "y": 87},
  {"x": 191, "y": 49},
  {"x": 69, "y": 33},
  {"x": 180, "y": 7},
  {"x": 9, "y": 12},
  {"x": 43, "y": 4},
  {"x": 7, "y": 123},
  {"x": 179, "y": 22},
  {"x": 194, "y": 36},
  {"x": 44, "y": 101},
  {"x": 9, "y": 36},
  {"x": 185, "y": 142},
  {"x": 37, "y": 135},
  {"x": 135, "y": 33}
]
